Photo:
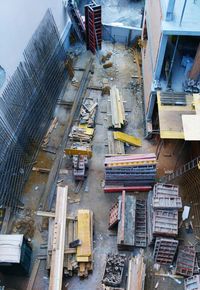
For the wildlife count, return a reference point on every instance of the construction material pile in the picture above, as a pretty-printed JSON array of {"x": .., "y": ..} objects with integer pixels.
[
  {"x": 129, "y": 214},
  {"x": 88, "y": 113},
  {"x": 115, "y": 109},
  {"x": 130, "y": 170},
  {"x": 114, "y": 269},
  {"x": 81, "y": 133},
  {"x": 164, "y": 211}
]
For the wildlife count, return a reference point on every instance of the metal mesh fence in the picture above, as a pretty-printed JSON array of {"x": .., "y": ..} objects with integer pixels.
[{"x": 26, "y": 107}]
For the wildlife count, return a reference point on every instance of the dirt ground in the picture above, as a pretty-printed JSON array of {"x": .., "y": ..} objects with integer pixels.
[{"x": 91, "y": 193}]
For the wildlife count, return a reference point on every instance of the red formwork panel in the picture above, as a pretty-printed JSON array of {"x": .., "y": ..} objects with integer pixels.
[{"x": 93, "y": 27}]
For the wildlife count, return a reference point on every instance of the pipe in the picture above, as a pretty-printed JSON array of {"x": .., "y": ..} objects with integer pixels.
[{"x": 182, "y": 13}]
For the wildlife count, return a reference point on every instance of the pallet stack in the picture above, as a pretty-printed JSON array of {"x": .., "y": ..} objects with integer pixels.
[{"x": 130, "y": 170}]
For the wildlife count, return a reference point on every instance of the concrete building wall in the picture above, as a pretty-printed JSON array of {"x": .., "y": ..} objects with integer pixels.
[
  {"x": 18, "y": 21},
  {"x": 153, "y": 18},
  {"x": 147, "y": 74}
]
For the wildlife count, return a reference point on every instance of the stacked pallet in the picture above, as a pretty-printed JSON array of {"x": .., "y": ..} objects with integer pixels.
[
  {"x": 163, "y": 206},
  {"x": 130, "y": 170},
  {"x": 115, "y": 109}
]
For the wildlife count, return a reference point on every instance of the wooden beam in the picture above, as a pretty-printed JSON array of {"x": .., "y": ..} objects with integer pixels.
[
  {"x": 33, "y": 274},
  {"x": 51, "y": 214},
  {"x": 58, "y": 249}
]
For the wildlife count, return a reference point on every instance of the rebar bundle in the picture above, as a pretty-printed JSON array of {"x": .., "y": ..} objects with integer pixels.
[{"x": 26, "y": 107}]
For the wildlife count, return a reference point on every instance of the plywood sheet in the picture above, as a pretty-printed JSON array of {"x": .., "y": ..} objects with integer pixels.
[
  {"x": 84, "y": 234},
  {"x": 191, "y": 127}
]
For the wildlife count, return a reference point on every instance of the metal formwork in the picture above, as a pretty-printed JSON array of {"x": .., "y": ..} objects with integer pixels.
[
  {"x": 165, "y": 222},
  {"x": 141, "y": 224},
  {"x": 165, "y": 196},
  {"x": 165, "y": 250},
  {"x": 185, "y": 261},
  {"x": 93, "y": 26}
]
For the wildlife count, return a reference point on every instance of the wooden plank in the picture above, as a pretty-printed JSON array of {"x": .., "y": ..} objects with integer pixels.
[
  {"x": 33, "y": 274},
  {"x": 57, "y": 260},
  {"x": 51, "y": 214},
  {"x": 6, "y": 220},
  {"x": 84, "y": 234}
]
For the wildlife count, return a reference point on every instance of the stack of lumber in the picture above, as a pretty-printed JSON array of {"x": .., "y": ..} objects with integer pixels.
[
  {"x": 136, "y": 273},
  {"x": 84, "y": 254},
  {"x": 88, "y": 113},
  {"x": 81, "y": 133},
  {"x": 115, "y": 109},
  {"x": 114, "y": 146},
  {"x": 130, "y": 170}
]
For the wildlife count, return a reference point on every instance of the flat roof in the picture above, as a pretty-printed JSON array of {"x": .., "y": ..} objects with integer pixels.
[
  {"x": 190, "y": 23},
  {"x": 10, "y": 248},
  {"x": 170, "y": 118}
]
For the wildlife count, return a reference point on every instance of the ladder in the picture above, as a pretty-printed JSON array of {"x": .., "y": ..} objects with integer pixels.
[{"x": 182, "y": 170}]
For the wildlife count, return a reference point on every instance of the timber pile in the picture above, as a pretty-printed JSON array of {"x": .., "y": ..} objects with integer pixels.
[
  {"x": 136, "y": 273},
  {"x": 115, "y": 109},
  {"x": 84, "y": 254},
  {"x": 81, "y": 134},
  {"x": 63, "y": 234},
  {"x": 130, "y": 170},
  {"x": 114, "y": 146},
  {"x": 88, "y": 113}
]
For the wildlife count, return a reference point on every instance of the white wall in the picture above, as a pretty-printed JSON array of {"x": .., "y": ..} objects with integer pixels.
[{"x": 18, "y": 21}]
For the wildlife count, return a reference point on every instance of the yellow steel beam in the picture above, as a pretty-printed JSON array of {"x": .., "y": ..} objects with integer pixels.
[
  {"x": 72, "y": 151},
  {"x": 127, "y": 139}
]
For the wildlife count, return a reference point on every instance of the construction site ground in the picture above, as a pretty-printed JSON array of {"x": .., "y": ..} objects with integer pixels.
[{"x": 123, "y": 74}]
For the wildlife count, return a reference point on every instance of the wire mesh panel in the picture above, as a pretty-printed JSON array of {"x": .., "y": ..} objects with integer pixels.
[{"x": 26, "y": 107}]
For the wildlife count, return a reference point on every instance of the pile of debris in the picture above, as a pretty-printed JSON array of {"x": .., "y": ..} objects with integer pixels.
[
  {"x": 130, "y": 170},
  {"x": 114, "y": 269}
]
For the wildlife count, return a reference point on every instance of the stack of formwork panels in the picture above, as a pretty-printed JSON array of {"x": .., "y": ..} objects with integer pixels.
[
  {"x": 185, "y": 261},
  {"x": 165, "y": 202},
  {"x": 165, "y": 250},
  {"x": 129, "y": 214},
  {"x": 130, "y": 170}
]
